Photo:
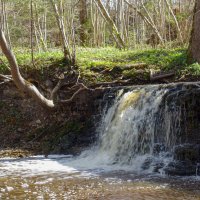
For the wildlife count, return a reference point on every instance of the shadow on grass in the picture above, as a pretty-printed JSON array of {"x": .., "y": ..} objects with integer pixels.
[{"x": 165, "y": 59}]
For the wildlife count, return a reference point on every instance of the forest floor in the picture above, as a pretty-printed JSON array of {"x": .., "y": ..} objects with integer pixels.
[
  {"x": 98, "y": 65},
  {"x": 26, "y": 128}
]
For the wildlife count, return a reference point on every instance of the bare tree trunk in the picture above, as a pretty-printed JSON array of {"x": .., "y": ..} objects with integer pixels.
[
  {"x": 60, "y": 22},
  {"x": 31, "y": 32},
  {"x": 175, "y": 20},
  {"x": 42, "y": 34},
  {"x": 83, "y": 20},
  {"x": 148, "y": 21},
  {"x": 23, "y": 85},
  {"x": 73, "y": 37},
  {"x": 36, "y": 37},
  {"x": 45, "y": 25},
  {"x": 194, "y": 47},
  {"x": 4, "y": 22},
  {"x": 112, "y": 25},
  {"x": 153, "y": 25},
  {"x": 7, "y": 27}
]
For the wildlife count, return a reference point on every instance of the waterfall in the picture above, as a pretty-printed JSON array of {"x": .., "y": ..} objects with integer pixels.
[
  {"x": 144, "y": 129},
  {"x": 141, "y": 130},
  {"x": 129, "y": 126}
]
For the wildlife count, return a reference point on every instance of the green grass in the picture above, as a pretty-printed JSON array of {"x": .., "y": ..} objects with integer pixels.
[
  {"x": 93, "y": 60},
  {"x": 193, "y": 69},
  {"x": 111, "y": 57},
  {"x": 41, "y": 60}
]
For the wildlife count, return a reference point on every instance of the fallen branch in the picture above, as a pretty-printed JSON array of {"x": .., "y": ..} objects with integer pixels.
[
  {"x": 6, "y": 77},
  {"x": 6, "y": 81},
  {"x": 157, "y": 76},
  {"x": 111, "y": 83}
]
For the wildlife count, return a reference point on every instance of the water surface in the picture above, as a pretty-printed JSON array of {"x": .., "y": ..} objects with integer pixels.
[{"x": 56, "y": 178}]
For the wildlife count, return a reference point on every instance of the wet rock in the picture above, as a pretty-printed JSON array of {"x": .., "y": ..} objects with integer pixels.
[
  {"x": 147, "y": 163},
  {"x": 180, "y": 168},
  {"x": 158, "y": 148},
  {"x": 67, "y": 141},
  {"x": 157, "y": 166},
  {"x": 198, "y": 169},
  {"x": 153, "y": 164},
  {"x": 186, "y": 159},
  {"x": 187, "y": 153}
]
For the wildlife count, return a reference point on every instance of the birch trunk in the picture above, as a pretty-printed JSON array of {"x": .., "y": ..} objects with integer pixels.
[
  {"x": 60, "y": 22},
  {"x": 113, "y": 29},
  {"x": 147, "y": 21},
  {"x": 175, "y": 20},
  {"x": 23, "y": 85}
]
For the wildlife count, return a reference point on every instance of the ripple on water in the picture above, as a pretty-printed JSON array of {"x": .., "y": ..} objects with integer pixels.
[{"x": 53, "y": 178}]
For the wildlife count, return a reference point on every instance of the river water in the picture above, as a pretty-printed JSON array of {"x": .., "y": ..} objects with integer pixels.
[
  {"x": 130, "y": 159},
  {"x": 55, "y": 178}
]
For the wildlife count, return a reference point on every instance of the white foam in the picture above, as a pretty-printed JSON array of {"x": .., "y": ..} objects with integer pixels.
[
  {"x": 126, "y": 140},
  {"x": 35, "y": 165}
]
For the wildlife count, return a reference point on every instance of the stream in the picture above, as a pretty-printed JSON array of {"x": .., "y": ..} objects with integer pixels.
[
  {"x": 55, "y": 178},
  {"x": 143, "y": 141}
]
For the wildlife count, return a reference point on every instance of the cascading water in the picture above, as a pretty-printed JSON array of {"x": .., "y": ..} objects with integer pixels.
[
  {"x": 129, "y": 130},
  {"x": 138, "y": 132},
  {"x": 147, "y": 129}
]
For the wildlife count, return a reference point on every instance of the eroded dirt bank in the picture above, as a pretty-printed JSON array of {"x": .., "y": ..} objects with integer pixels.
[{"x": 27, "y": 128}]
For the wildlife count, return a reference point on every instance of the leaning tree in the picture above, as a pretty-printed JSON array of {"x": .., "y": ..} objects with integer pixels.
[
  {"x": 23, "y": 85},
  {"x": 28, "y": 88}
]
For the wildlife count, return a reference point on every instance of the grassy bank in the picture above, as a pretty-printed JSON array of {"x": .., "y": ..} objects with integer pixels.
[
  {"x": 27, "y": 126},
  {"x": 92, "y": 62}
]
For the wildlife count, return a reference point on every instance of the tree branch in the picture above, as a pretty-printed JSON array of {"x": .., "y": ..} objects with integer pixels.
[
  {"x": 6, "y": 77},
  {"x": 19, "y": 81},
  {"x": 73, "y": 96},
  {"x": 6, "y": 81}
]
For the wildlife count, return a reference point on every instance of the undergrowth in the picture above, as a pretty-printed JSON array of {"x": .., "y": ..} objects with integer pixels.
[{"x": 91, "y": 61}]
